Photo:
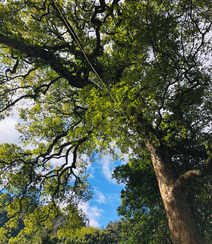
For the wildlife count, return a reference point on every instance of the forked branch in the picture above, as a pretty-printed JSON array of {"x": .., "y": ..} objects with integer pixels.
[{"x": 195, "y": 174}]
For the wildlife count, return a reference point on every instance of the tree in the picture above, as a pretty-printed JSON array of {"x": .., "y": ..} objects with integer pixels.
[
  {"x": 133, "y": 74},
  {"x": 144, "y": 219},
  {"x": 94, "y": 235},
  {"x": 142, "y": 210}
]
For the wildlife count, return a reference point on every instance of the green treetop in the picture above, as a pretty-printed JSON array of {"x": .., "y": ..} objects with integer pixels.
[{"x": 89, "y": 77}]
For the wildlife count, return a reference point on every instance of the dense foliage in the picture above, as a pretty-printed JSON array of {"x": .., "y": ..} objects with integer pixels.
[
  {"x": 142, "y": 210},
  {"x": 83, "y": 234},
  {"x": 91, "y": 77}
]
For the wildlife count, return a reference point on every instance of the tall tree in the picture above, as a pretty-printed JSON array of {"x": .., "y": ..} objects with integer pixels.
[
  {"x": 142, "y": 210},
  {"x": 133, "y": 73}
]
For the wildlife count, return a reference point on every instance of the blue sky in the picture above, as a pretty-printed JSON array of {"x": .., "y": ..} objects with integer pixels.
[{"x": 106, "y": 192}]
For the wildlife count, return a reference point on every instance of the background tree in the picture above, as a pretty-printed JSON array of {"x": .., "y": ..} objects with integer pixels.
[
  {"x": 91, "y": 235},
  {"x": 153, "y": 58},
  {"x": 142, "y": 210}
]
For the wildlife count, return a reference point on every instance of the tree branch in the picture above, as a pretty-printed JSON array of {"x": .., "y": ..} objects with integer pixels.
[
  {"x": 190, "y": 151},
  {"x": 55, "y": 63},
  {"x": 194, "y": 174}
]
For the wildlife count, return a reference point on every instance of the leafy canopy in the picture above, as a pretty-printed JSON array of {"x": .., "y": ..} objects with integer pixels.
[{"x": 153, "y": 58}]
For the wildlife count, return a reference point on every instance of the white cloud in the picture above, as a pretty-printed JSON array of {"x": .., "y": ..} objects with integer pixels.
[
  {"x": 100, "y": 197},
  {"x": 112, "y": 197},
  {"x": 8, "y": 132},
  {"x": 91, "y": 172},
  {"x": 93, "y": 213},
  {"x": 108, "y": 166},
  {"x": 93, "y": 223},
  {"x": 90, "y": 169},
  {"x": 125, "y": 159},
  {"x": 107, "y": 169}
]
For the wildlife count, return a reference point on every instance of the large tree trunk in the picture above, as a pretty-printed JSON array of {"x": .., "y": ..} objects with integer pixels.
[{"x": 182, "y": 225}]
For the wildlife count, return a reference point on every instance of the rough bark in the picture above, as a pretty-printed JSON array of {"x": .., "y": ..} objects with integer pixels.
[{"x": 182, "y": 225}]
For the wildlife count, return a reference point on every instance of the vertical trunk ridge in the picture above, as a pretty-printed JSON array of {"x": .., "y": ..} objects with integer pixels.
[{"x": 182, "y": 225}]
